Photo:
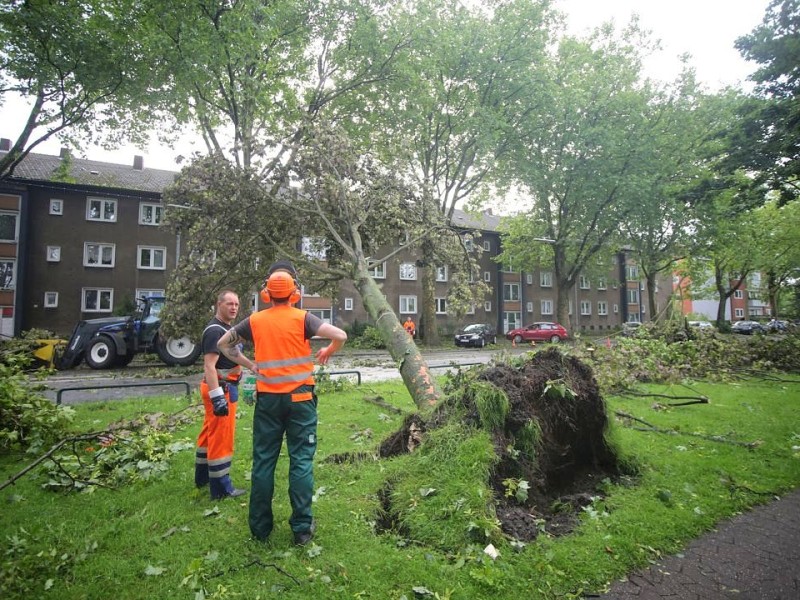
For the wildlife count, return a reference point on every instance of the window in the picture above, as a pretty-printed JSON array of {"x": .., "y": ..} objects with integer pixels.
[
  {"x": 487, "y": 306},
  {"x": 408, "y": 271},
  {"x": 408, "y": 305},
  {"x": 616, "y": 308},
  {"x": 529, "y": 278},
  {"x": 511, "y": 292},
  {"x": 97, "y": 299},
  {"x": 584, "y": 282},
  {"x": 441, "y": 306},
  {"x": 529, "y": 307},
  {"x": 487, "y": 246},
  {"x": 441, "y": 273},
  {"x": 56, "y": 207},
  {"x": 738, "y": 294},
  {"x": 511, "y": 320},
  {"x": 51, "y": 299},
  {"x": 150, "y": 214},
  {"x": 379, "y": 271},
  {"x": 152, "y": 257},
  {"x": 601, "y": 283},
  {"x": 348, "y": 304},
  {"x": 570, "y": 307},
  {"x": 469, "y": 246},
  {"x": 631, "y": 272},
  {"x": 8, "y": 273},
  {"x": 586, "y": 307},
  {"x": 9, "y": 228},
  {"x": 471, "y": 309},
  {"x": 633, "y": 296},
  {"x": 546, "y": 307},
  {"x": 322, "y": 313},
  {"x": 148, "y": 293},
  {"x": 487, "y": 276},
  {"x": 54, "y": 254},
  {"x": 100, "y": 209},
  {"x": 98, "y": 255},
  {"x": 546, "y": 279},
  {"x": 602, "y": 308},
  {"x": 739, "y": 312}
]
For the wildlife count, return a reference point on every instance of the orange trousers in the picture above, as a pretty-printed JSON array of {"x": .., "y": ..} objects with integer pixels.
[{"x": 215, "y": 444}]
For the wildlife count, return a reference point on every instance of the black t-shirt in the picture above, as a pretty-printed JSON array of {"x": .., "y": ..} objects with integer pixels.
[{"x": 213, "y": 331}]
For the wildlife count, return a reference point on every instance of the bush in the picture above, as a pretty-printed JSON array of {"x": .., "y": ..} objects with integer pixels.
[{"x": 370, "y": 338}]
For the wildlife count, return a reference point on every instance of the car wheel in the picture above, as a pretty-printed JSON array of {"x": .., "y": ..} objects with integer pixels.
[
  {"x": 517, "y": 339},
  {"x": 123, "y": 360},
  {"x": 482, "y": 343},
  {"x": 494, "y": 340},
  {"x": 180, "y": 351},
  {"x": 101, "y": 353},
  {"x": 555, "y": 339}
]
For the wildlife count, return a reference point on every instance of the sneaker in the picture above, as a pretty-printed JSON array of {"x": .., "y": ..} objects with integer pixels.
[
  {"x": 301, "y": 538},
  {"x": 234, "y": 494}
]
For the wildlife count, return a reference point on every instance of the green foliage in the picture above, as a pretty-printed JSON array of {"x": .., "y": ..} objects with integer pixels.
[
  {"x": 126, "y": 306},
  {"x": 492, "y": 404},
  {"x": 28, "y": 421},
  {"x": 367, "y": 337},
  {"x": 528, "y": 439},
  {"x": 781, "y": 353}
]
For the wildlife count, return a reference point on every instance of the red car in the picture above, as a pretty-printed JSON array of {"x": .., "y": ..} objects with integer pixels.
[{"x": 538, "y": 332}]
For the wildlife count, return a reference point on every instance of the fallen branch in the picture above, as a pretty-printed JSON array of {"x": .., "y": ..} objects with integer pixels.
[
  {"x": 378, "y": 400},
  {"x": 256, "y": 562},
  {"x": 690, "y": 399},
  {"x": 711, "y": 438}
]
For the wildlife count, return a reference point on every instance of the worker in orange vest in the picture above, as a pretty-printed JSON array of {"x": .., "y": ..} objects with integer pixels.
[
  {"x": 286, "y": 402},
  {"x": 219, "y": 391},
  {"x": 410, "y": 327}
]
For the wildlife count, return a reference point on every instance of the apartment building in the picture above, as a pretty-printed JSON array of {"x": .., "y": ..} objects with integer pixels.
[{"x": 79, "y": 239}]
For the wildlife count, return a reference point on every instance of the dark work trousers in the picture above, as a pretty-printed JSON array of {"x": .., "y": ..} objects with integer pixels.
[{"x": 276, "y": 414}]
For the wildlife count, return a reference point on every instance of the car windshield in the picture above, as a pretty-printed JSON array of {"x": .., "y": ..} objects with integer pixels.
[{"x": 473, "y": 328}]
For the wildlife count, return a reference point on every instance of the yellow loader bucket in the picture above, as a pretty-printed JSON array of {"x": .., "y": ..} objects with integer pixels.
[{"x": 46, "y": 352}]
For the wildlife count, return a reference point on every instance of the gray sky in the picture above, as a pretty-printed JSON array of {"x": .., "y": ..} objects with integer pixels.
[{"x": 706, "y": 29}]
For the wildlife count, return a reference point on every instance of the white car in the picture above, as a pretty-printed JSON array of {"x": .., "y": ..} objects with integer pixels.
[{"x": 702, "y": 325}]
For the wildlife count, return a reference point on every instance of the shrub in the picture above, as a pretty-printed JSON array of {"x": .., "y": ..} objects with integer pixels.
[{"x": 370, "y": 338}]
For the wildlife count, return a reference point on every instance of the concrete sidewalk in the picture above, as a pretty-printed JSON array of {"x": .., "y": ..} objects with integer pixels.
[{"x": 755, "y": 556}]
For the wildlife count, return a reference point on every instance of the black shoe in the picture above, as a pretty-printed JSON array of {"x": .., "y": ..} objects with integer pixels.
[{"x": 301, "y": 538}]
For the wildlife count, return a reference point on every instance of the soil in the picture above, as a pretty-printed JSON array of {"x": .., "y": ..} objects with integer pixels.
[{"x": 572, "y": 459}]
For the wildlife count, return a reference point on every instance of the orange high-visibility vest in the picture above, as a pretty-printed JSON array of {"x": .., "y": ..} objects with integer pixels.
[{"x": 283, "y": 355}]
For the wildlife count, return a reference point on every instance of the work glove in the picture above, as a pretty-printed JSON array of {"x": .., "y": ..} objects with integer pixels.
[{"x": 218, "y": 402}]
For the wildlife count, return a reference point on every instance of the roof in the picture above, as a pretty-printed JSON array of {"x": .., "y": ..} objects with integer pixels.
[
  {"x": 43, "y": 167},
  {"x": 485, "y": 221}
]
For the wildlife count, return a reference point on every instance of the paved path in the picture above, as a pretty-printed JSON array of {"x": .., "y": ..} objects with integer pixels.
[{"x": 755, "y": 556}]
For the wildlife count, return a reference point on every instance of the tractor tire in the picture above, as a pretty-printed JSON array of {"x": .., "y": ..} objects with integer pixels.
[
  {"x": 180, "y": 351},
  {"x": 101, "y": 353},
  {"x": 123, "y": 360}
]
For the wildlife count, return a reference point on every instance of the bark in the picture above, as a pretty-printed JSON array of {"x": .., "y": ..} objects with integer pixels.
[
  {"x": 413, "y": 369},
  {"x": 651, "y": 295},
  {"x": 430, "y": 332}
]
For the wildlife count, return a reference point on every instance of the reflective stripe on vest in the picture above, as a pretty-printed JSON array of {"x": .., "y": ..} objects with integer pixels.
[{"x": 282, "y": 354}]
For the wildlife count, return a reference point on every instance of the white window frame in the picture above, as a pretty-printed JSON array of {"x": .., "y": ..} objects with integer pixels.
[
  {"x": 158, "y": 213},
  {"x": 408, "y": 272},
  {"x": 16, "y": 225},
  {"x": 487, "y": 276},
  {"x": 469, "y": 245},
  {"x": 585, "y": 283},
  {"x": 529, "y": 307},
  {"x": 508, "y": 295},
  {"x": 487, "y": 245},
  {"x": 407, "y": 305},
  {"x": 379, "y": 271},
  {"x": 100, "y": 246},
  {"x": 471, "y": 309},
  {"x": 511, "y": 320},
  {"x": 601, "y": 283},
  {"x": 54, "y": 254},
  {"x": 633, "y": 296},
  {"x": 529, "y": 278},
  {"x": 441, "y": 273},
  {"x": 153, "y": 250},
  {"x": 738, "y": 294},
  {"x": 632, "y": 272},
  {"x": 586, "y": 308},
  {"x": 602, "y": 308},
  {"x": 616, "y": 309},
  {"x": 102, "y": 217},
  {"x": 51, "y": 299},
  {"x": 487, "y": 306},
  {"x": 569, "y": 307},
  {"x": 738, "y": 313},
  {"x": 546, "y": 279},
  {"x": 348, "y": 304},
  {"x": 546, "y": 307},
  {"x": 325, "y": 314},
  {"x": 100, "y": 292},
  {"x": 508, "y": 268},
  {"x": 56, "y": 207},
  {"x": 441, "y": 306}
]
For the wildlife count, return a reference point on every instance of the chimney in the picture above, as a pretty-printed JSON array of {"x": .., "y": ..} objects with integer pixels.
[
  {"x": 5, "y": 144},
  {"x": 138, "y": 163},
  {"x": 488, "y": 211},
  {"x": 64, "y": 153}
]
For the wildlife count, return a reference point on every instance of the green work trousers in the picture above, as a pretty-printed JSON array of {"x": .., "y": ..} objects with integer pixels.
[{"x": 276, "y": 414}]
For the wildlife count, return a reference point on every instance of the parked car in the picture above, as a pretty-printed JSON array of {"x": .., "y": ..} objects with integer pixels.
[
  {"x": 476, "y": 334},
  {"x": 777, "y": 326},
  {"x": 748, "y": 327},
  {"x": 538, "y": 332},
  {"x": 702, "y": 325},
  {"x": 630, "y": 328}
]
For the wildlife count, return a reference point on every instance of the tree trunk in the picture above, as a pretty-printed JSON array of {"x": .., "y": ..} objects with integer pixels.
[
  {"x": 773, "y": 288},
  {"x": 651, "y": 295},
  {"x": 430, "y": 331},
  {"x": 413, "y": 369}
]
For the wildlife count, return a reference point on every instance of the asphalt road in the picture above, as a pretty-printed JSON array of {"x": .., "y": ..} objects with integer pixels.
[{"x": 141, "y": 380}]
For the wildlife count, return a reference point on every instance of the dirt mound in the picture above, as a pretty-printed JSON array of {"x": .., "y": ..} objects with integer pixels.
[{"x": 549, "y": 433}]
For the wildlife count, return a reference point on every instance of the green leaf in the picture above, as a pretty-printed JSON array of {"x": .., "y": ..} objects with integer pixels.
[{"x": 153, "y": 571}]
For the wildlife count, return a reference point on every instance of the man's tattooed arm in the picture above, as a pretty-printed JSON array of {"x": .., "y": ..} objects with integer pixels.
[{"x": 228, "y": 344}]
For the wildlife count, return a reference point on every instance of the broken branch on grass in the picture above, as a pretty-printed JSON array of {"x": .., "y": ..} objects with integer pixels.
[
  {"x": 382, "y": 403},
  {"x": 256, "y": 562},
  {"x": 690, "y": 399},
  {"x": 712, "y": 438}
]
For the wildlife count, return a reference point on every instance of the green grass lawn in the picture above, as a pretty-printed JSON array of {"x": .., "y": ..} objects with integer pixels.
[{"x": 164, "y": 539}]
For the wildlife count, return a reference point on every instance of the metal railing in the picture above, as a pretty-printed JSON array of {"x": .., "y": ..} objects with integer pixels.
[{"x": 121, "y": 385}]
